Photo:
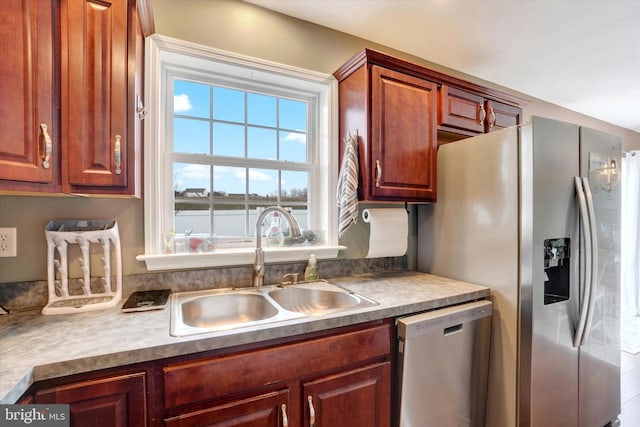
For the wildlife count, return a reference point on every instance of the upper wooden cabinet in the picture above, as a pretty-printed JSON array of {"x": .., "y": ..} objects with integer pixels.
[
  {"x": 400, "y": 111},
  {"x": 74, "y": 74},
  {"x": 29, "y": 130},
  {"x": 465, "y": 112},
  {"x": 97, "y": 45},
  {"x": 394, "y": 113}
]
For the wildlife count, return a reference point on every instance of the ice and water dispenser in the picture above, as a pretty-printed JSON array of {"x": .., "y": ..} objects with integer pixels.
[{"x": 556, "y": 268}]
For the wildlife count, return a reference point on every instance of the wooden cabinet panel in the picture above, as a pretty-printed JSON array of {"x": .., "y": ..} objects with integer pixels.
[
  {"x": 461, "y": 109},
  {"x": 504, "y": 115},
  {"x": 28, "y": 154},
  {"x": 96, "y": 42},
  {"x": 403, "y": 135},
  {"x": 265, "y": 410},
  {"x": 112, "y": 401},
  {"x": 360, "y": 397}
]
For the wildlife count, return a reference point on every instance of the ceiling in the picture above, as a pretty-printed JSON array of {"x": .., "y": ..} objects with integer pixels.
[{"x": 582, "y": 55}]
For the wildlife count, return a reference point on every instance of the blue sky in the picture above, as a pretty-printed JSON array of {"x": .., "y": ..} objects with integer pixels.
[{"x": 213, "y": 122}]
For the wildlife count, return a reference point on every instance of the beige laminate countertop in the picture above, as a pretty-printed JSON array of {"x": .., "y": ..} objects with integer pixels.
[{"x": 34, "y": 347}]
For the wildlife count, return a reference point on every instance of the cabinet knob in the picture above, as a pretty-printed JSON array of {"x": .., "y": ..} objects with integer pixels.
[
  {"x": 47, "y": 146},
  {"x": 482, "y": 115},
  {"x": 285, "y": 420},
  {"x": 492, "y": 117},
  {"x": 378, "y": 173},
  {"x": 312, "y": 412},
  {"x": 117, "y": 154}
]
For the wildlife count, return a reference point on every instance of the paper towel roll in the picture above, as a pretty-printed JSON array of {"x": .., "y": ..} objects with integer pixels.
[{"x": 389, "y": 231}]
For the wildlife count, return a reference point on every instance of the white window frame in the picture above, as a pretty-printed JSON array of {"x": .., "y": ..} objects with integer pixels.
[{"x": 162, "y": 54}]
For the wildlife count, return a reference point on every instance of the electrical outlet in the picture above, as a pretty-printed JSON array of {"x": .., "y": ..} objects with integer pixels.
[{"x": 8, "y": 242}]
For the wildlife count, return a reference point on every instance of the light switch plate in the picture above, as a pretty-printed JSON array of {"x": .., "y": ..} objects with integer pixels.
[{"x": 8, "y": 242}]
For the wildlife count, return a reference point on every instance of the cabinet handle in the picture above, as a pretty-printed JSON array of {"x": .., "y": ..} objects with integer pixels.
[
  {"x": 492, "y": 117},
  {"x": 378, "y": 173},
  {"x": 482, "y": 115},
  {"x": 285, "y": 420},
  {"x": 117, "y": 154},
  {"x": 312, "y": 412},
  {"x": 47, "y": 146}
]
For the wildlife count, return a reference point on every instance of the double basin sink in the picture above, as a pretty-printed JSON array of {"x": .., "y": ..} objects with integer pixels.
[{"x": 228, "y": 309}]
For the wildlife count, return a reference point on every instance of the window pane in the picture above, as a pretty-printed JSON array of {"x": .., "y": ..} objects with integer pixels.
[
  {"x": 191, "y": 186},
  {"x": 295, "y": 194},
  {"x": 263, "y": 187},
  {"x": 228, "y": 140},
  {"x": 293, "y": 115},
  {"x": 190, "y": 136},
  {"x": 261, "y": 110},
  {"x": 293, "y": 147},
  {"x": 191, "y": 99},
  {"x": 229, "y": 202},
  {"x": 228, "y": 105},
  {"x": 229, "y": 181},
  {"x": 262, "y": 144}
]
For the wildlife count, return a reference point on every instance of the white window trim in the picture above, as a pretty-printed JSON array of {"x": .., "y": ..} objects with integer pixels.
[{"x": 161, "y": 48}]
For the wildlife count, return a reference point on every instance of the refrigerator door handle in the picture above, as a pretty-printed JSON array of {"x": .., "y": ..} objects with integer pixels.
[
  {"x": 594, "y": 259},
  {"x": 585, "y": 282}
]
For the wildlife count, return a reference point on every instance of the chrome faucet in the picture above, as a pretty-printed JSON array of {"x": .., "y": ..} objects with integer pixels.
[{"x": 258, "y": 265}]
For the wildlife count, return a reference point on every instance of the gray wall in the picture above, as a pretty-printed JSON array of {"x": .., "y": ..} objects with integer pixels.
[{"x": 246, "y": 29}]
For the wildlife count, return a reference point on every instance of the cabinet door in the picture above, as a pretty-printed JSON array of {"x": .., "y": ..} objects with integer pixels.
[
  {"x": 403, "y": 136},
  {"x": 113, "y": 401},
  {"x": 502, "y": 115},
  {"x": 95, "y": 36},
  {"x": 462, "y": 110},
  {"x": 361, "y": 397},
  {"x": 265, "y": 410},
  {"x": 28, "y": 133}
]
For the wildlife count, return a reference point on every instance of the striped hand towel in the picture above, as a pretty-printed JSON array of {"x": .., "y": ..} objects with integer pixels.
[{"x": 347, "y": 191}]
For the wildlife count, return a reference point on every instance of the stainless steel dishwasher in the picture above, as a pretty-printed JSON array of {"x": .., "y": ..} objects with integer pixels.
[{"x": 443, "y": 364}]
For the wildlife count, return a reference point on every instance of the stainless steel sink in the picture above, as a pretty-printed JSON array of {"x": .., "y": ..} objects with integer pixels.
[
  {"x": 226, "y": 309},
  {"x": 213, "y": 311},
  {"x": 313, "y": 301}
]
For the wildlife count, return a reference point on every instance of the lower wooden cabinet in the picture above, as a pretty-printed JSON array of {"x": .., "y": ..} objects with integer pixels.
[
  {"x": 333, "y": 378},
  {"x": 359, "y": 397},
  {"x": 343, "y": 379},
  {"x": 111, "y": 401}
]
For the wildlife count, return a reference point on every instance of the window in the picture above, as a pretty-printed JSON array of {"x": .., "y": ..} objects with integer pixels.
[
  {"x": 234, "y": 152},
  {"x": 226, "y": 136}
]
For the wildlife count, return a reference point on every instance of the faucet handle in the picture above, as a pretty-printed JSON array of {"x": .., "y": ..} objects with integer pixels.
[{"x": 293, "y": 276}]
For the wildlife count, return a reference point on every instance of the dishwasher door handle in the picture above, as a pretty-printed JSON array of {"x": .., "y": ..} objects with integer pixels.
[{"x": 450, "y": 330}]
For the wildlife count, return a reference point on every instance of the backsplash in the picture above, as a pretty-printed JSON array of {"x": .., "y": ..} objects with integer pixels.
[{"x": 23, "y": 295}]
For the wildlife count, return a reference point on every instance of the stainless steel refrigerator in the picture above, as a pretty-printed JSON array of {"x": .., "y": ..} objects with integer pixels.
[{"x": 533, "y": 212}]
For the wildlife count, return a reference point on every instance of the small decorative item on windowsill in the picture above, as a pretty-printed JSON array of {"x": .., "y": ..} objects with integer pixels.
[{"x": 71, "y": 245}]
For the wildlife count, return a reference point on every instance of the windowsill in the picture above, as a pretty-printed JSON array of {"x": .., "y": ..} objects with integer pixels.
[{"x": 240, "y": 256}]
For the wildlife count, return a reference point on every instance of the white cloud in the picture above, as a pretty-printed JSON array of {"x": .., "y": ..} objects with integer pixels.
[
  {"x": 299, "y": 137},
  {"x": 195, "y": 172},
  {"x": 181, "y": 103},
  {"x": 255, "y": 175}
]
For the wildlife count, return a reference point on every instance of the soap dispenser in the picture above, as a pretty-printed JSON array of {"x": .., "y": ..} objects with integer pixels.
[{"x": 311, "y": 271}]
